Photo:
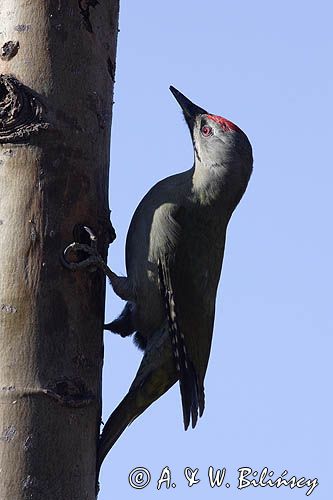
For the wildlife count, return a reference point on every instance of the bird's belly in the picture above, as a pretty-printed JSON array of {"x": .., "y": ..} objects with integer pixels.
[
  {"x": 148, "y": 248},
  {"x": 197, "y": 244},
  {"x": 150, "y": 311}
]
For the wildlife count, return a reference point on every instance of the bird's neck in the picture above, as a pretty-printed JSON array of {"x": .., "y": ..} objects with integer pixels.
[{"x": 208, "y": 184}]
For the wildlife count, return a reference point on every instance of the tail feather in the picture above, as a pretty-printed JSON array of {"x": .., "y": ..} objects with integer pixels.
[
  {"x": 189, "y": 394},
  {"x": 120, "y": 418},
  {"x": 155, "y": 376}
]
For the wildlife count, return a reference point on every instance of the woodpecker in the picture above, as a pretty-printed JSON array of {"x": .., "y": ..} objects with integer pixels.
[{"x": 174, "y": 252}]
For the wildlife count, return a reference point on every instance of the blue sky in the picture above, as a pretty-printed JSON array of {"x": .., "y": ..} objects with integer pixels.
[{"x": 267, "y": 66}]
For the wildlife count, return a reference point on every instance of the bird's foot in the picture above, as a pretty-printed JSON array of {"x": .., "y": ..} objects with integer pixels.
[
  {"x": 120, "y": 284},
  {"x": 94, "y": 259}
]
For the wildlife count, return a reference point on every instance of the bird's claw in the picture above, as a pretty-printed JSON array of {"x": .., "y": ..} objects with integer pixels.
[
  {"x": 94, "y": 258},
  {"x": 92, "y": 236}
]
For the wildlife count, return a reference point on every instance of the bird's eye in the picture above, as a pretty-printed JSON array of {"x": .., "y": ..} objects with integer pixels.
[{"x": 206, "y": 131}]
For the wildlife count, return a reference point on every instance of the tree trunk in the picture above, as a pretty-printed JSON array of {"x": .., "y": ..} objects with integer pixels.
[{"x": 57, "y": 63}]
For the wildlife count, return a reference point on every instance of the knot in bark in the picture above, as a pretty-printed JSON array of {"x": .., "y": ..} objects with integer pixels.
[{"x": 21, "y": 112}]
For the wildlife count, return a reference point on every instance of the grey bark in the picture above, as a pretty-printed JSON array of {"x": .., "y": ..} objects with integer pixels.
[{"x": 57, "y": 63}]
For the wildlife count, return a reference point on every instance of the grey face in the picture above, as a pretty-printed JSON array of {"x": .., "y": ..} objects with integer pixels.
[{"x": 220, "y": 143}]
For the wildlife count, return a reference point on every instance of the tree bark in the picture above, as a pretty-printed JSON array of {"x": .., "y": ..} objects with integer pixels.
[{"x": 57, "y": 64}]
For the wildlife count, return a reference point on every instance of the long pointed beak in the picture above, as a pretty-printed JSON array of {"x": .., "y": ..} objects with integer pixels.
[{"x": 190, "y": 110}]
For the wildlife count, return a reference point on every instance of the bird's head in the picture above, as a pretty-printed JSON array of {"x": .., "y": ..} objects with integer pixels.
[{"x": 222, "y": 150}]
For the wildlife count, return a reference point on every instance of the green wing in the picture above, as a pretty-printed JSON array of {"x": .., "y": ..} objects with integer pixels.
[{"x": 189, "y": 277}]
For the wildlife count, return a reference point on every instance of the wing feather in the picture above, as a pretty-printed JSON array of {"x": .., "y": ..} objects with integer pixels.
[{"x": 188, "y": 278}]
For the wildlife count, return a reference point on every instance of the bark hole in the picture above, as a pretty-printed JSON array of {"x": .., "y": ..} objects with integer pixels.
[{"x": 70, "y": 392}]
